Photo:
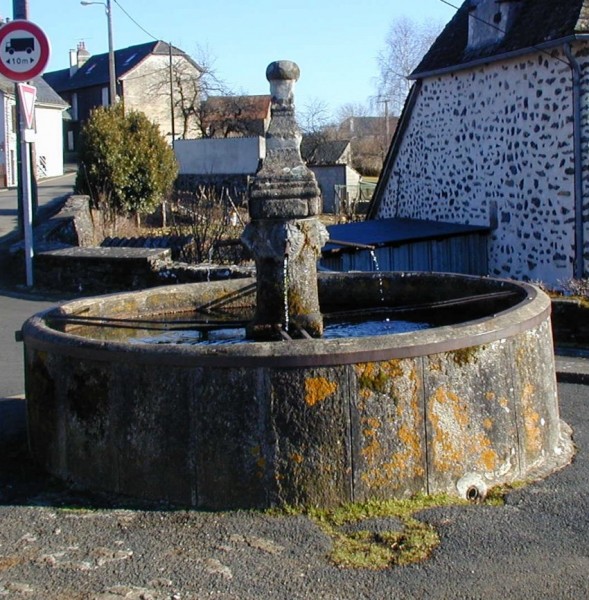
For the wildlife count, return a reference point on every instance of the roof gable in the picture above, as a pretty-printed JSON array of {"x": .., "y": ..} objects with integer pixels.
[
  {"x": 536, "y": 23},
  {"x": 324, "y": 152},
  {"x": 45, "y": 94},
  {"x": 95, "y": 72}
]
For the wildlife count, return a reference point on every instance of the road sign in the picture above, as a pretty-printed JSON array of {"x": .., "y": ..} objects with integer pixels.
[
  {"x": 28, "y": 95},
  {"x": 24, "y": 50}
]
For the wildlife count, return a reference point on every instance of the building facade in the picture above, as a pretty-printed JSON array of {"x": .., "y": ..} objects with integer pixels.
[
  {"x": 150, "y": 78},
  {"x": 492, "y": 132},
  {"x": 48, "y": 118}
]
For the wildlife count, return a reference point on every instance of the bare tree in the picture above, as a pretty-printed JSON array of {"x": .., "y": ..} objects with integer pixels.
[
  {"x": 405, "y": 45},
  {"x": 314, "y": 116},
  {"x": 190, "y": 82}
]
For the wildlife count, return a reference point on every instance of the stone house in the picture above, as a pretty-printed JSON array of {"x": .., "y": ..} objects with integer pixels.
[
  {"x": 48, "y": 118},
  {"x": 330, "y": 161},
  {"x": 494, "y": 134},
  {"x": 143, "y": 75}
]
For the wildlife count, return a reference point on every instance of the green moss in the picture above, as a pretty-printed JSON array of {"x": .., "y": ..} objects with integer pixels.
[
  {"x": 464, "y": 356},
  {"x": 364, "y": 549}
]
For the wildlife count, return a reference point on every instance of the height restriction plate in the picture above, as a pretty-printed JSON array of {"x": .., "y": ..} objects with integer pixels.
[{"x": 24, "y": 50}]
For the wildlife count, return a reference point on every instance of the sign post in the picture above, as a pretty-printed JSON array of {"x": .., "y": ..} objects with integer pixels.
[{"x": 24, "y": 54}]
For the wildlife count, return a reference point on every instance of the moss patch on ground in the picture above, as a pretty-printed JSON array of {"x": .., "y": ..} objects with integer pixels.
[{"x": 364, "y": 548}]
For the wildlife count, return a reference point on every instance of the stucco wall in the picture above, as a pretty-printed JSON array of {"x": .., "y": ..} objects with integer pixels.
[
  {"x": 222, "y": 156},
  {"x": 49, "y": 141},
  {"x": 494, "y": 144},
  {"x": 147, "y": 88},
  {"x": 330, "y": 176}
]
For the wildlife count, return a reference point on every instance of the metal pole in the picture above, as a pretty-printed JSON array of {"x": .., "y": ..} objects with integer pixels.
[
  {"x": 27, "y": 203},
  {"x": 172, "y": 96},
  {"x": 20, "y": 9},
  {"x": 111, "y": 57}
]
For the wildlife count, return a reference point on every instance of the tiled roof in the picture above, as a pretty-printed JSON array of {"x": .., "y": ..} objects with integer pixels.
[
  {"x": 242, "y": 107},
  {"x": 95, "y": 70},
  {"x": 323, "y": 152},
  {"x": 45, "y": 94},
  {"x": 538, "y": 22}
]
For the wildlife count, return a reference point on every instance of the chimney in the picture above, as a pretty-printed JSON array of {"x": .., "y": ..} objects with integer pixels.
[
  {"x": 489, "y": 21},
  {"x": 78, "y": 57},
  {"x": 73, "y": 62},
  {"x": 82, "y": 54}
]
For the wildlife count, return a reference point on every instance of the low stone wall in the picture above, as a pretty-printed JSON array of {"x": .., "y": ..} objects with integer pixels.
[
  {"x": 570, "y": 322},
  {"x": 99, "y": 269}
]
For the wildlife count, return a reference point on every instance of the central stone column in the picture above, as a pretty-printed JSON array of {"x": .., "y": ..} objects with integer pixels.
[{"x": 285, "y": 235}]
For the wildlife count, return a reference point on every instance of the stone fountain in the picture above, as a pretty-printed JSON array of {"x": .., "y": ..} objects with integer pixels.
[
  {"x": 459, "y": 407},
  {"x": 285, "y": 234}
]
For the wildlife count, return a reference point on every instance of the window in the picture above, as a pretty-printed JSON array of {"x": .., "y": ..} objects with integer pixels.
[
  {"x": 75, "y": 116},
  {"x": 105, "y": 96}
]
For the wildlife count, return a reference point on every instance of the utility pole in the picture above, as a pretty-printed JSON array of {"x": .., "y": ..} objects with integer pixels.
[{"x": 384, "y": 100}]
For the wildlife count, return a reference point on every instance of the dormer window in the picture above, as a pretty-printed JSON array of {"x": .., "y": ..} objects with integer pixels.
[
  {"x": 132, "y": 57},
  {"x": 489, "y": 21}
]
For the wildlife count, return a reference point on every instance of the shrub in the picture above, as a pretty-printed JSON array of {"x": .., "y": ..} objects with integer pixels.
[{"x": 126, "y": 166}]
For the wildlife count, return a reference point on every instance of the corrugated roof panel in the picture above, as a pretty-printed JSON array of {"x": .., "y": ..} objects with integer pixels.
[{"x": 386, "y": 232}]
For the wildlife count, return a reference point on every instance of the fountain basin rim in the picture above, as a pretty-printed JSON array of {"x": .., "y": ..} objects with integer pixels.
[{"x": 526, "y": 315}]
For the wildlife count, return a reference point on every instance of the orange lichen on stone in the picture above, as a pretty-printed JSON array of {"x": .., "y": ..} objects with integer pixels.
[
  {"x": 409, "y": 438},
  {"x": 372, "y": 450},
  {"x": 456, "y": 441},
  {"x": 488, "y": 423},
  {"x": 532, "y": 420},
  {"x": 378, "y": 377},
  {"x": 449, "y": 417},
  {"x": 488, "y": 459},
  {"x": 490, "y": 396},
  {"x": 317, "y": 389},
  {"x": 296, "y": 457}
]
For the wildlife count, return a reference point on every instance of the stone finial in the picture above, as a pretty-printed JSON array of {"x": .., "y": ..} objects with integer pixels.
[
  {"x": 282, "y": 75},
  {"x": 284, "y": 187}
]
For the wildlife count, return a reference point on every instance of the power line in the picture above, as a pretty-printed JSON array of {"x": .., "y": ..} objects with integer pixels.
[{"x": 135, "y": 22}]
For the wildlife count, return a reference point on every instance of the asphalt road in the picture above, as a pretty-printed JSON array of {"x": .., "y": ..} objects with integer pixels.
[{"x": 50, "y": 191}]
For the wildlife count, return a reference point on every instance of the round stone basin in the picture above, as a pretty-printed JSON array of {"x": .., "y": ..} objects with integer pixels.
[{"x": 458, "y": 408}]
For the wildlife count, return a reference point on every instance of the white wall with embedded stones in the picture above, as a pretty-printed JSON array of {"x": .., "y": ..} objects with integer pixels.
[{"x": 494, "y": 145}]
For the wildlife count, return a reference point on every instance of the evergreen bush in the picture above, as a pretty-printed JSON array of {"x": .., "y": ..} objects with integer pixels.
[{"x": 126, "y": 166}]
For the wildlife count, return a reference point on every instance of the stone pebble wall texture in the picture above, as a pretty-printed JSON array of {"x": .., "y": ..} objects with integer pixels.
[{"x": 493, "y": 146}]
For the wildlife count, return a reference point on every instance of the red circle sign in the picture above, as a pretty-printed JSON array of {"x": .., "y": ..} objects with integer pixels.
[{"x": 24, "y": 50}]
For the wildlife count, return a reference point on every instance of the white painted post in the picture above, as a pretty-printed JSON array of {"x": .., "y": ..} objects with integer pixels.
[{"x": 27, "y": 201}]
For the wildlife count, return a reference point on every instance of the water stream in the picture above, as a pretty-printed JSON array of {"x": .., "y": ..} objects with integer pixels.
[
  {"x": 285, "y": 285},
  {"x": 380, "y": 278}
]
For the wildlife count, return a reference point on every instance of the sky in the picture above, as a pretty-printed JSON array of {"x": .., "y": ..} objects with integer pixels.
[{"x": 335, "y": 43}]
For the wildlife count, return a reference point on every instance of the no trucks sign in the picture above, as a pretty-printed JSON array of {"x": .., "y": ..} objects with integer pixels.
[{"x": 24, "y": 50}]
